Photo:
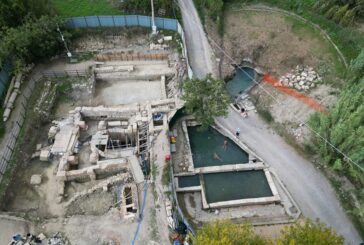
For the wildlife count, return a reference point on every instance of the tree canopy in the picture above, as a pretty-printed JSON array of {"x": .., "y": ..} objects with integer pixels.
[
  {"x": 34, "y": 40},
  {"x": 341, "y": 11},
  {"x": 309, "y": 233},
  {"x": 206, "y": 99},
  {"x": 144, "y": 7},
  {"x": 343, "y": 126},
  {"x": 16, "y": 12},
  {"x": 227, "y": 233},
  {"x": 306, "y": 233}
]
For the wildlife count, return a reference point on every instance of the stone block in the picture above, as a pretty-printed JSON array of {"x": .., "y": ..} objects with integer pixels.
[
  {"x": 36, "y": 179},
  {"x": 44, "y": 155}
]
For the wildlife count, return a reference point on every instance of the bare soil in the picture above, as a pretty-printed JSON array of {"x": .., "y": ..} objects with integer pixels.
[{"x": 276, "y": 43}]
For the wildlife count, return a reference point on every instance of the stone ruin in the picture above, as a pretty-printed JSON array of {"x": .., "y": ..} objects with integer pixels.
[{"x": 110, "y": 142}]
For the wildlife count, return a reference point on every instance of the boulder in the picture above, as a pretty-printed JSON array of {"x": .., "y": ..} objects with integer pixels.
[
  {"x": 36, "y": 179},
  {"x": 310, "y": 78}
]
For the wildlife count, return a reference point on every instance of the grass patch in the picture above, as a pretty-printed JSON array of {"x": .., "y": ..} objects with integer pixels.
[
  {"x": 153, "y": 171},
  {"x": 74, "y": 8},
  {"x": 166, "y": 180},
  {"x": 153, "y": 225},
  {"x": 305, "y": 30},
  {"x": 281, "y": 129},
  {"x": 84, "y": 56},
  {"x": 265, "y": 114},
  {"x": 199, "y": 4},
  {"x": 347, "y": 201}
]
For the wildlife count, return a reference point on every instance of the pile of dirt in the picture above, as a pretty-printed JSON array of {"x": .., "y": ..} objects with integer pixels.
[
  {"x": 96, "y": 203},
  {"x": 96, "y": 41}
]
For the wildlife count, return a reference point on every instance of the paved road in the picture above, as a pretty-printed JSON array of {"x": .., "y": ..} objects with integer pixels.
[
  {"x": 310, "y": 189},
  {"x": 199, "y": 50},
  {"x": 308, "y": 186}
]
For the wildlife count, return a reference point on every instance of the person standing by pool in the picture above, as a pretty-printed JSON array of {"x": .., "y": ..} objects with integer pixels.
[{"x": 237, "y": 133}]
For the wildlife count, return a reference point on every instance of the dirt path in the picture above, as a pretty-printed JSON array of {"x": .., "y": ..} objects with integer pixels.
[
  {"x": 199, "y": 50},
  {"x": 308, "y": 186}
]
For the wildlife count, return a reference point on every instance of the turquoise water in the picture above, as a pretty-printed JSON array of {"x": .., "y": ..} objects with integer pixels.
[
  {"x": 241, "y": 81},
  {"x": 206, "y": 145},
  {"x": 188, "y": 181},
  {"x": 227, "y": 186}
]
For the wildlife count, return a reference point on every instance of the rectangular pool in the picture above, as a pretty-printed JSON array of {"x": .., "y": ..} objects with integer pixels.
[
  {"x": 220, "y": 187},
  {"x": 208, "y": 148},
  {"x": 188, "y": 181}
]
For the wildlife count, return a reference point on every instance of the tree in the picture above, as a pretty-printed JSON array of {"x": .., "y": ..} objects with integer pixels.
[
  {"x": 357, "y": 65},
  {"x": 330, "y": 13},
  {"x": 227, "y": 233},
  {"x": 215, "y": 8},
  {"x": 309, "y": 233},
  {"x": 343, "y": 126},
  {"x": 348, "y": 18},
  {"x": 15, "y": 12},
  {"x": 32, "y": 41},
  {"x": 144, "y": 6},
  {"x": 340, "y": 13},
  {"x": 206, "y": 99}
]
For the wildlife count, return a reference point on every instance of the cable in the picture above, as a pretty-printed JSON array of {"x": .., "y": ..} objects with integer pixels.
[
  {"x": 274, "y": 98},
  {"x": 141, "y": 212}
]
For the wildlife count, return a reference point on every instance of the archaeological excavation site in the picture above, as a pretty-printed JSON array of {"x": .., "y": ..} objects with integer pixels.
[
  {"x": 182, "y": 122},
  {"x": 101, "y": 133}
]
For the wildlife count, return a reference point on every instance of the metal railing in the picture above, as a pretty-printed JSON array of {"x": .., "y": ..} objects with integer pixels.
[{"x": 64, "y": 73}]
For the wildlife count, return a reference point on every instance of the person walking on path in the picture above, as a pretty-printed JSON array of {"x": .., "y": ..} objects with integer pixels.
[{"x": 237, "y": 133}]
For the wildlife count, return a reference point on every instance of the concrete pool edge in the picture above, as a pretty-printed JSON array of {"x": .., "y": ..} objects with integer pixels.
[
  {"x": 191, "y": 166},
  {"x": 243, "y": 202},
  {"x": 224, "y": 168}
]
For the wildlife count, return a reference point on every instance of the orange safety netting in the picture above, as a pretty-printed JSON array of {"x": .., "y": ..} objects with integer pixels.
[{"x": 284, "y": 89}]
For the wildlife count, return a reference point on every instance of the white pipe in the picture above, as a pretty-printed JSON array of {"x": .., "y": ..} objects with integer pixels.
[{"x": 154, "y": 27}]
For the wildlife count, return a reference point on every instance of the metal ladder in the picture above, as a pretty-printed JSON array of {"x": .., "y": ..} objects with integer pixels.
[{"x": 143, "y": 138}]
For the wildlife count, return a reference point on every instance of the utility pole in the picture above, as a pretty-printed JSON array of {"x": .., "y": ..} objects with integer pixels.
[{"x": 154, "y": 27}]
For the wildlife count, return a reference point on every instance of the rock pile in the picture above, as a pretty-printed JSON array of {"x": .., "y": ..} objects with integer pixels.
[{"x": 301, "y": 78}]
